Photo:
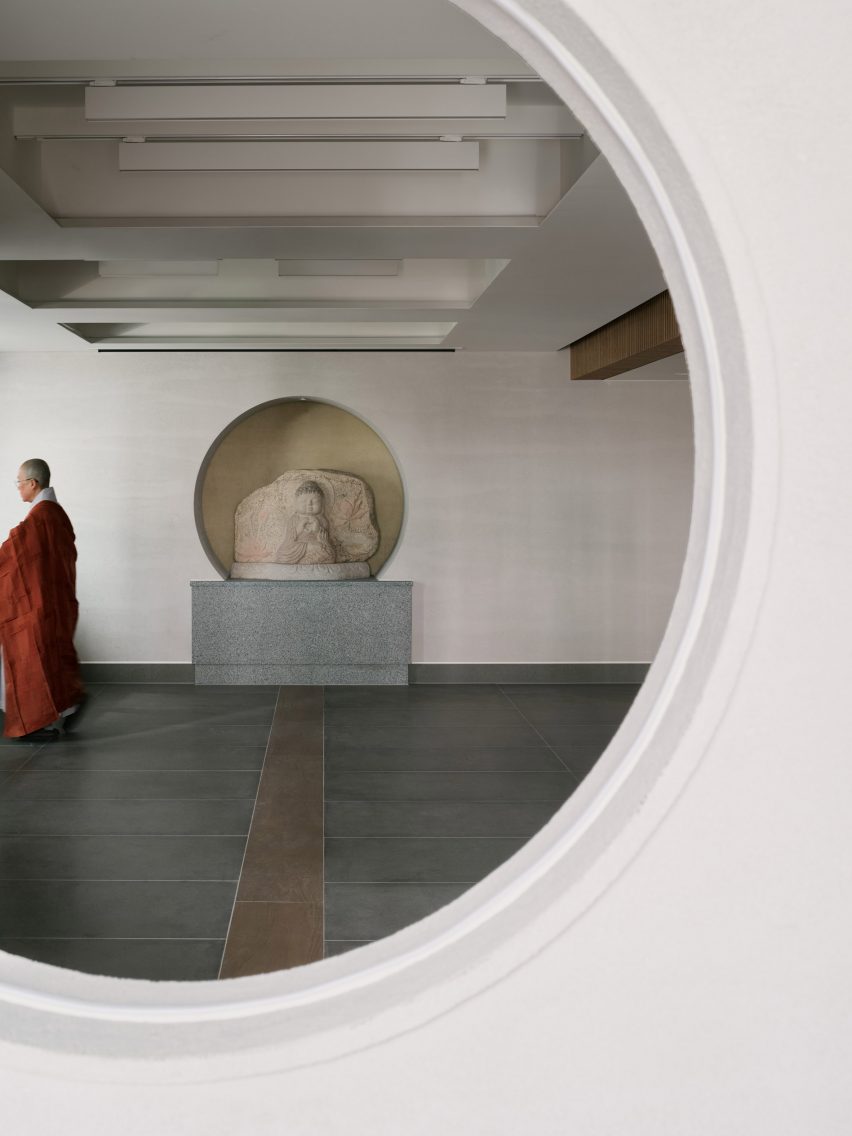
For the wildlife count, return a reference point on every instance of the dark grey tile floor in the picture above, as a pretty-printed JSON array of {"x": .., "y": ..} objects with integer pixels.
[
  {"x": 121, "y": 844},
  {"x": 429, "y": 788}
]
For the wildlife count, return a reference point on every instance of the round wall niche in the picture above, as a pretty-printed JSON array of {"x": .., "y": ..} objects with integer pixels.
[{"x": 292, "y": 433}]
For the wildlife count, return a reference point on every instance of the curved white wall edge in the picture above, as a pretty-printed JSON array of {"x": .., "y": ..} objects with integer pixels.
[{"x": 313, "y": 1014}]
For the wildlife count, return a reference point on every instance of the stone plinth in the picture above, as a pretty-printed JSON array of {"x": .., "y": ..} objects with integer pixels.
[{"x": 281, "y": 632}]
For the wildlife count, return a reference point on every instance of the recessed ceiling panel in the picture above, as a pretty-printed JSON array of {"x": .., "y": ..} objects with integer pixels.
[
  {"x": 132, "y": 268},
  {"x": 339, "y": 267}
]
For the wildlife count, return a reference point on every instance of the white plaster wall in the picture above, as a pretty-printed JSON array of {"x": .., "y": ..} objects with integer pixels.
[
  {"x": 547, "y": 521},
  {"x": 695, "y": 980}
]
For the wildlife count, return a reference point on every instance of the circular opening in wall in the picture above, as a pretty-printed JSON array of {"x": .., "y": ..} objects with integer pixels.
[
  {"x": 285, "y": 434},
  {"x": 390, "y": 971}
]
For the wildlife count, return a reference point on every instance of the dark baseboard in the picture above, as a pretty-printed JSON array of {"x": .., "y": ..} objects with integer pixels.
[
  {"x": 138, "y": 672},
  {"x": 418, "y": 673},
  {"x": 526, "y": 672}
]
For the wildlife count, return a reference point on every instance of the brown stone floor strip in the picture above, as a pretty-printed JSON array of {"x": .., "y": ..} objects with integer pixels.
[
  {"x": 278, "y": 916},
  {"x": 272, "y": 936}
]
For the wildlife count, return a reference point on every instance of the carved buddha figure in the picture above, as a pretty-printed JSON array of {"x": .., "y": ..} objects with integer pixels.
[
  {"x": 309, "y": 524},
  {"x": 306, "y": 535}
]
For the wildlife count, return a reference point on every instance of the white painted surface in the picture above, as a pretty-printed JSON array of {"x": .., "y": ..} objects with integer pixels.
[
  {"x": 588, "y": 261},
  {"x": 313, "y": 100},
  {"x": 685, "y": 968},
  {"x": 409, "y": 283},
  {"x": 515, "y": 178},
  {"x": 546, "y": 520},
  {"x": 326, "y": 156},
  {"x": 258, "y": 29},
  {"x": 64, "y": 117}
]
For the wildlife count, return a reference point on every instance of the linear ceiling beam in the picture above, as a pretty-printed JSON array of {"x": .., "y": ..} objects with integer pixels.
[
  {"x": 203, "y": 156},
  {"x": 337, "y": 100},
  {"x": 273, "y": 343},
  {"x": 208, "y": 71},
  {"x": 69, "y": 122},
  {"x": 286, "y": 329},
  {"x": 255, "y": 312},
  {"x": 281, "y": 238},
  {"x": 643, "y": 335},
  {"x": 293, "y": 336}
]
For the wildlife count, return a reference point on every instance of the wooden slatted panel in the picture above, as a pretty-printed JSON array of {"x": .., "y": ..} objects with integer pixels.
[{"x": 643, "y": 335}]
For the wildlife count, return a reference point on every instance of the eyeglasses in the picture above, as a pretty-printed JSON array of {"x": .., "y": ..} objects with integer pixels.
[{"x": 24, "y": 480}]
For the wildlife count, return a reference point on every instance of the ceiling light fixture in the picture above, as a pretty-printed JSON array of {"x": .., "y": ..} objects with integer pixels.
[
  {"x": 200, "y": 156},
  {"x": 345, "y": 100}
]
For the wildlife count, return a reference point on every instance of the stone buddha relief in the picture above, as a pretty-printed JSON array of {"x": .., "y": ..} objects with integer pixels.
[{"x": 309, "y": 524}]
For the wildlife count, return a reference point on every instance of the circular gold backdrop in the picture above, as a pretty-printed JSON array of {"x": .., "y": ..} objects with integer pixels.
[{"x": 292, "y": 433}]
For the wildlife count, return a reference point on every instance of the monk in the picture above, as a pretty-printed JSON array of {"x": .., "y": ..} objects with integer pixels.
[{"x": 40, "y": 687}]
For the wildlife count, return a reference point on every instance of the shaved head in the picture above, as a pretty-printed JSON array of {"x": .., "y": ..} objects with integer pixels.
[{"x": 38, "y": 470}]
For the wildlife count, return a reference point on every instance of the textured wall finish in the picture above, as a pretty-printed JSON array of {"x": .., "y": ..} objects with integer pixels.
[{"x": 546, "y": 521}]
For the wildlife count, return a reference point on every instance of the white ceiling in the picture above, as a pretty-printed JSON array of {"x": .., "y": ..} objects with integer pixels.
[
  {"x": 535, "y": 247},
  {"x": 251, "y": 29}
]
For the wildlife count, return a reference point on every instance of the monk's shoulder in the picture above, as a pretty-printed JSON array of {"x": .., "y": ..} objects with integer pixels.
[
  {"x": 49, "y": 515},
  {"x": 47, "y": 511}
]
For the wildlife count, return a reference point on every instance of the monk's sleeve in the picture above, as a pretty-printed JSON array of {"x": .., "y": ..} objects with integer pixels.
[{"x": 15, "y": 598}]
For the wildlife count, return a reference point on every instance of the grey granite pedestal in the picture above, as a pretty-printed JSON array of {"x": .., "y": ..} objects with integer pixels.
[{"x": 309, "y": 633}]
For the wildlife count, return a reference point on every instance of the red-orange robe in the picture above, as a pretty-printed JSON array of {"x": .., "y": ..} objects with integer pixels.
[{"x": 38, "y": 615}]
